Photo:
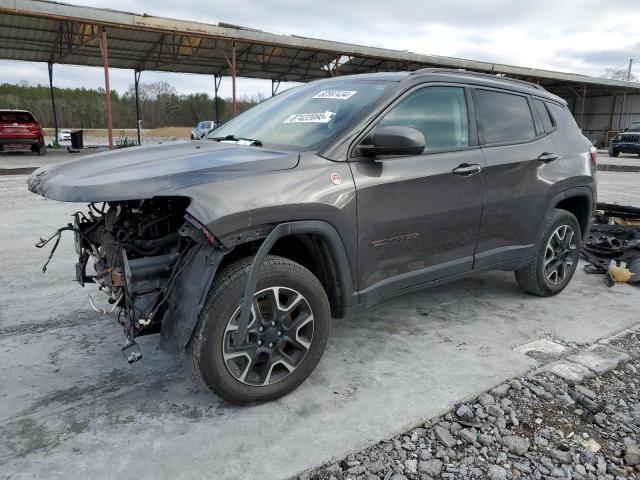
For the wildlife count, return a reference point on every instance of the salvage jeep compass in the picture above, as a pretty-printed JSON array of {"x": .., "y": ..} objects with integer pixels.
[{"x": 325, "y": 200}]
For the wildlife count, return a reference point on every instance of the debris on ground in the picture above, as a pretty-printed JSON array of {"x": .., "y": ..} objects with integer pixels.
[
  {"x": 612, "y": 246},
  {"x": 540, "y": 426}
]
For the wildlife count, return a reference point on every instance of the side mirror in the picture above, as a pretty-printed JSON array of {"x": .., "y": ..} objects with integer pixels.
[{"x": 394, "y": 141}]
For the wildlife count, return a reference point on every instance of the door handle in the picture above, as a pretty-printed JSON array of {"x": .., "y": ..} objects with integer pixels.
[
  {"x": 547, "y": 157},
  {"x": 466, "y": 169}
]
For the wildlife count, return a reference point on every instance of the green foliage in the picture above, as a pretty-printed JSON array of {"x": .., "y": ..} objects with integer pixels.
[{"x": 160, "y": 106}]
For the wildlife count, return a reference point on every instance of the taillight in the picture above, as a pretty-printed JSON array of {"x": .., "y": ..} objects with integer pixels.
[{"x": 593, "y": 153}]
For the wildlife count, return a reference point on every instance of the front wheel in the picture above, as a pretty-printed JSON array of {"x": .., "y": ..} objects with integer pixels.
[
  {"x": 550, "y": 271},
  {"x": 288, "y": 330},
  {"x": 613, "y": 152}
]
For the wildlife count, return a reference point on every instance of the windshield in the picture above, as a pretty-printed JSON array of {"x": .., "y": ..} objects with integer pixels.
[
  {"x": 303, "y": 117},
  {"x": 635, "y": 127}
]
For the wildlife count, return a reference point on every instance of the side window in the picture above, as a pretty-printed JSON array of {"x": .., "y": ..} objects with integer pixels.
[
  {"x": 440, "y": 113},
  {"x": 503, "y": 117},
  {"x": 547, "y": 122},
  {"x": 563, "y": 116}
]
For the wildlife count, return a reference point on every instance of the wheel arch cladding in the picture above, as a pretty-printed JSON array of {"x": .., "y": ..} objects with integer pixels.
[
  {"x": 189, "y": 295},
  {"x": 580, "y": 207},
  {"x": 202, "y": 265},
  {"x": 574, "y": 200}
]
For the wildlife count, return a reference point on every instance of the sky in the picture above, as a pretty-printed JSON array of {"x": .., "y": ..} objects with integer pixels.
[{"x": 580, "y": 36}]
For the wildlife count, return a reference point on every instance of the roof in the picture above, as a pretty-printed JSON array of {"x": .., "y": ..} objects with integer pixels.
[{"x": 44, "y": 31}]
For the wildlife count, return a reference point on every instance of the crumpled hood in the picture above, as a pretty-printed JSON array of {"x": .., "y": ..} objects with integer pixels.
[{"x": 145, "y": 172}]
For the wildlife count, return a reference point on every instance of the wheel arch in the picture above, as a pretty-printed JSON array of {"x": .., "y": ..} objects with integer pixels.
[
  {"x": 579, "y": 201},
  {"x": 314, "y": 244}
]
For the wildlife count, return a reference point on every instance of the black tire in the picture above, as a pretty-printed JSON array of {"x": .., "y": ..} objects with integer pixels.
[
  {"x": 613, "y": 152},
  {"x": 533, "y": 277},
  {"x": 42, "y": 150},
  {"x": 211, "y": 336}
]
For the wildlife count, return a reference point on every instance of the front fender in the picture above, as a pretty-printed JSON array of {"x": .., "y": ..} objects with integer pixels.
[{"x": 188, "y": 297}]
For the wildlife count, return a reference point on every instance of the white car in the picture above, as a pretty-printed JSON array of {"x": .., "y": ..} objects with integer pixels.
[
  {"x": 64, "y": 135},
  {"x": 201, "y": 129}
]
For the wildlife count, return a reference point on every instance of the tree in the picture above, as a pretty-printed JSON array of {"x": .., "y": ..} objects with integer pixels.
[
  {"x": 160, "y": 105},
  {"x": 618, "y": 74}
]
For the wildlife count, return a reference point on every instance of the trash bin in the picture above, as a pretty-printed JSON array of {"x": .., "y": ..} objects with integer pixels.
[{"x": 76, "y": 140}]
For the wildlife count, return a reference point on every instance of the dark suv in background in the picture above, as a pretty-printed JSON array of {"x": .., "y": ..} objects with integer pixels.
[
  {"x": 325, "y": 200},
  {"x": 626, "y": 142}
]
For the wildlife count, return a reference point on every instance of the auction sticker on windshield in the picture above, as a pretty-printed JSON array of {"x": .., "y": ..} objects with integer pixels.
[
  {"x": 321, "y": 117},
  {"x": 335, "y": 94}
]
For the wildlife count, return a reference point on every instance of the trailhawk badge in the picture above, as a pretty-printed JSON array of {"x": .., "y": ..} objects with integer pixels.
[{"x": 336, "y": 179}]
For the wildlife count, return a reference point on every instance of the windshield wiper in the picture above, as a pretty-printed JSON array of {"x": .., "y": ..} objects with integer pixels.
[{"x": 233, "y": 138}]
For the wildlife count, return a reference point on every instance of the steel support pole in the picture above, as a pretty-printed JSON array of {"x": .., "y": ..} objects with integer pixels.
[
  {"x": 105, "y": 63},
  {"x": 234, "y": 105},
  {"x": 275, "y": 85},
  {"x": 216, "y": 85},
  {"x": 584, "y": 96},
  {"x": 624, "y": 99},
  {"x": 136, "y": 80},
  {"x": 53, "y": 104}
]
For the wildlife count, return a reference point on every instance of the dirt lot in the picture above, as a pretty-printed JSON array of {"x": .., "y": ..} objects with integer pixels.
[
  {"x": 70, "y": 407},
  {"x": 178, "y": 132}
]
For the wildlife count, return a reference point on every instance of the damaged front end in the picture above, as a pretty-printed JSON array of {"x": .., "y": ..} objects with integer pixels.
[{"x": 154, "y": 262}]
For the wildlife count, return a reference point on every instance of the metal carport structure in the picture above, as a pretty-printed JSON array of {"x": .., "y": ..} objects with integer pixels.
[{"x": 57, "y": 33}]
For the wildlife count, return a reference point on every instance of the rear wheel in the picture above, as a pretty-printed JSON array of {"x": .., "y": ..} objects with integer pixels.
[
  {"x": 551, "y": 270},
  {"x": 288, "y": 330}
]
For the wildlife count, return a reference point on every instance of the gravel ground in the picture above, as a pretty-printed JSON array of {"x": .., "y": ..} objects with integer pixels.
[{"x": 538, "y": 426}]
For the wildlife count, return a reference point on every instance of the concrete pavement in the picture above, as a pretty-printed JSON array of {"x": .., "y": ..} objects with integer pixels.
[{"x": 70, "y": 407}]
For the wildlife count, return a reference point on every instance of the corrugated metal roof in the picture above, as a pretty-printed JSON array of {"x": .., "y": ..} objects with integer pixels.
[{"x": 44, "y": 31}]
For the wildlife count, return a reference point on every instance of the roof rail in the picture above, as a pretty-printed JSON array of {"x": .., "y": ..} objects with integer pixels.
[{"x": 479, "y": 74}]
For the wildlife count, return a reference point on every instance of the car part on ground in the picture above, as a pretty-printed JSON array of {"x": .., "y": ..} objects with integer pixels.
[
  {"x": 612, "y": 246},
  {"x": 319, "y": 202}
]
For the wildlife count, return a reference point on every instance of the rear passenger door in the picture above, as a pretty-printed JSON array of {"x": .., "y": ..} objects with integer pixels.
[{"x": 515, "y": 148}]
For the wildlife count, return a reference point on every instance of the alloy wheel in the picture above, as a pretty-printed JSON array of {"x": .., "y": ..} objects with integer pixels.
[
  {"x": 278, "y": 338},
  {"x": 559, "y": 255}
]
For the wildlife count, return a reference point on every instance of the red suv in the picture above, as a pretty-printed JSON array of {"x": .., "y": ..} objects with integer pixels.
[{"x": 20, "y": 129}]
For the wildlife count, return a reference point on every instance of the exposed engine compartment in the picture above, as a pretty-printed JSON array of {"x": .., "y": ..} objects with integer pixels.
[{"x": 134, "y": 251}]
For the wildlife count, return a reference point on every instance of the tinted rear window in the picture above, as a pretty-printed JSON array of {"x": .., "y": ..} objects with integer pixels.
[
  {"x": 17, "y": 117},
  {"x": 547, "y": 122},
  {"x": 503, "y": 117}
]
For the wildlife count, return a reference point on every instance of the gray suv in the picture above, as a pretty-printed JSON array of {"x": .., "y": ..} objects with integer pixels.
[{"x": 325, "y": 200}]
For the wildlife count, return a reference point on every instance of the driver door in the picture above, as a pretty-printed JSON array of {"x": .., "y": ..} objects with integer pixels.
[{"x": 419, "y": 215}]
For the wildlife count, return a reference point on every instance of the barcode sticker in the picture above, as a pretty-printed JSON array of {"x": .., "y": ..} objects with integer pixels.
[
  {"x": 335, "y": 94},
  {"x": 322, "y": 117}
]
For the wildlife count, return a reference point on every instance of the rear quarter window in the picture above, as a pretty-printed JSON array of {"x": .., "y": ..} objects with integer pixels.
[
  {"x": 547, "y": 121},
  {"x": 503, "y": 117},
  {"x": 563, "y": 117}
]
